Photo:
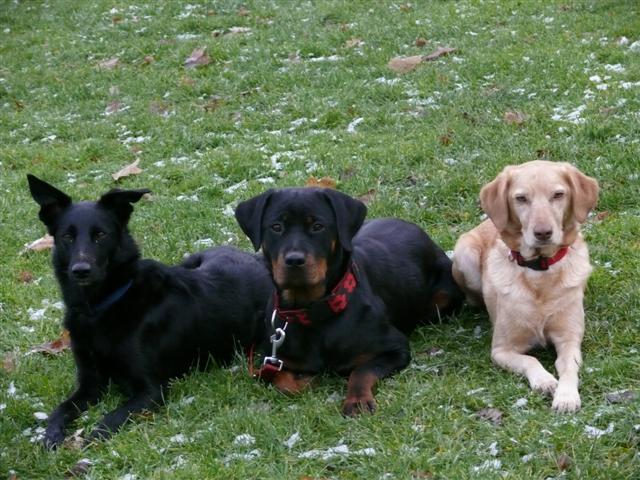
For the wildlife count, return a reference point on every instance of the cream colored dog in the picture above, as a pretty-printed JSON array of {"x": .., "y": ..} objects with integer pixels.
[{"x": 529, "y": 265}]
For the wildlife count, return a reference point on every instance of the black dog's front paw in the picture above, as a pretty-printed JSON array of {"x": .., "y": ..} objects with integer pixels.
[
  {"x": 100, "y": 433},
  {"x": 53, "y": 438}
]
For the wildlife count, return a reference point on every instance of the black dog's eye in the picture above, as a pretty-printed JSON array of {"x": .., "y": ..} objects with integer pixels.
[
  {"x": 558, "y": 195},
  {"x": 67, "y": 237},
  {"x": 521, "y": 198},
  {"x": 276, "y": 227},
  {"x": 317, "y": 227},
  {"x": 99, "y": 236}
]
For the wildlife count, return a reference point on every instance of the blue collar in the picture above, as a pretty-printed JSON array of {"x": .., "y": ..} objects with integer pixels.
[{"x": 112, "y": 298}]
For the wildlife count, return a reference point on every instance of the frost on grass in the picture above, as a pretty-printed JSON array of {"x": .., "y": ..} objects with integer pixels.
[
  {"x": 244, "y": 439},
  {"x": 292, "y": 440},
  {"x": 594, "y": 432},
  {"x": 340, "y": 450}
]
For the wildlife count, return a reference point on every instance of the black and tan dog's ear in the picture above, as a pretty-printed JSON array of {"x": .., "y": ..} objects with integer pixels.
[
  {"x": 249, "y": 216},
  {"x": 584, "y": 193},
  {"x": 350, "y": 214},
  {"x": 494, "y": 200},
  {"x": 119, "y": 201},
  {"x": 51, "y": 200}
]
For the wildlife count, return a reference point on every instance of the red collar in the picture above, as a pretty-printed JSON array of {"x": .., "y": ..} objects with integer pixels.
[
  {"x": 540, "y": 263},
  {"x": 331, "y": 305}
]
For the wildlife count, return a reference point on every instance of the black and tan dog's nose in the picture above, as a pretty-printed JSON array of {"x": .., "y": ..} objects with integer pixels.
[
  {"x": 81, "y": 270},
  {"x": 294, "y": 259}
]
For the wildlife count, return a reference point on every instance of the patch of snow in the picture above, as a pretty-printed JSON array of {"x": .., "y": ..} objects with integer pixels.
[
  {"x": 351, "y": 128},
  {"x": 494, "y": 464},
  {"x": 253, "y": 454},
  {"x": 40, "y": 415},
  {"x": 593, "y": 432},
  {"x": 244, "y": 439},
  {"x": 292, "y": 440}
]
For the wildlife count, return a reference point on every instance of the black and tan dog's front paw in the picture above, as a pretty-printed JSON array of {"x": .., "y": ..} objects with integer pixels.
[
  {"x": 53, "y": 438},
  {"x": 357, "y": 405}
]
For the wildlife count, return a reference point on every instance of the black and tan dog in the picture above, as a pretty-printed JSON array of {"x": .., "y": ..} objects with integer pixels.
[
  {"x": 346, "y": 297},
  {"x": 139, "y": 323}
]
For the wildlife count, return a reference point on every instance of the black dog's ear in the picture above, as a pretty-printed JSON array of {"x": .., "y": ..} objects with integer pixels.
[
  {"x": 119, "y": 201},
  {"x": 51, "y": 200},
  {"x": 350, "y": 214},
  {"x": 249, "y": 216}
]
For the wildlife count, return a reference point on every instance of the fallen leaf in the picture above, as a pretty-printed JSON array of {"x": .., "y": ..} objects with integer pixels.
[
  {"x": 324, "y": 182},
  {"x": 148, "y": 60},
  {"x": 406, "y": 7},
  {"x": 420, "y": 42},
  {"x": 131, "y": 169},
  {"x": 80, "y": 469},
  {"x": 113, "y": 107},
  {"x": 213, "y": 103},
  {"x": 197, "y": 58},
  {"x": 117, "y": 19},
  {"x": 446, "y": 139},
  {"x": 109, "y": 64},
  {"x": 602, "y": 215},
  {"x": 53, "y": 347},
  {"x": 160, "y": 107},
  {"x": 492, "y": 415},
  {"x": 354, "y": 42},
  {"x": 25, "y": 276},
  {"x": 625, "y": 396},
  {"x": 75, "y": 441},
  {"x": 13, "y": 476},
  {"x": 19, "y": 105},
  {"x": 44, "y": 243},
  {"x": 434, "y": 351},
  {"x": 405, "y": 64},
  {"x": 368, "y": 197},
  {"x": 9, "y": 362},
  {"x": 543, "y": 153},
  {"x": 243, "y": 11},
  {"x": 515, "y": 118},
  {"x": 440, "y": 52},
  {"x": 563, "y": 461}
]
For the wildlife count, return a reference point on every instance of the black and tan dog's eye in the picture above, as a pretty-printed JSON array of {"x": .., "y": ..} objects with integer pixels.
[
  {"x": 67, "y": 237},
  {"x": 99, "y": 236},
  {"x": 317, "y": 227},
  {"x": 276, "y": 227}
]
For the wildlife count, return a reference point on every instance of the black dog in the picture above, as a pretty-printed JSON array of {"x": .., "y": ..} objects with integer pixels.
[
  {"x": 346, "y": 296},
  {"x": 136, "y": 322}
]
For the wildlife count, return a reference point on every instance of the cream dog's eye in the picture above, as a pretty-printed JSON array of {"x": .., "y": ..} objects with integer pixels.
[
  {"x": 521, "y": 198},
  {"x": 558, "y": 195}
]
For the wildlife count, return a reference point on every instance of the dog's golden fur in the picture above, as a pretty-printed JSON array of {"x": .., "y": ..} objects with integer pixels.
[{"x": 535, "y": 209}]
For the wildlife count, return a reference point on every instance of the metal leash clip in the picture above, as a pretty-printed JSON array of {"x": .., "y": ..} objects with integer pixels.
[{"x": 276, "y": 340}]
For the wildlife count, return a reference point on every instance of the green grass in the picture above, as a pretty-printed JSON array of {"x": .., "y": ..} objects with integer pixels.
[{"x": 224, "y": 124}]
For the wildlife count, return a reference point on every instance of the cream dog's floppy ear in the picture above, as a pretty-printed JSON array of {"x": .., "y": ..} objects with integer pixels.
[
  {"x": 494, "y": 201},
  {"x": 584, "y": 193}
]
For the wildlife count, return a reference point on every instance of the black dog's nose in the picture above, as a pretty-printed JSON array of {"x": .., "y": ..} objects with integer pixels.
[
  {"x": 543, "y": 233},
  {"x": 81, "y": 270},
  {"x": 294, "y": 259}
]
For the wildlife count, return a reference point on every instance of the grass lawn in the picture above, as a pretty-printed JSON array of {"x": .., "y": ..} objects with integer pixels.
[{"x": 303, "y": 89}]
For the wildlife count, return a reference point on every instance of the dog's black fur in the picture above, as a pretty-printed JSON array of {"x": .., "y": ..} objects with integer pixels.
[
  {"x": 167, "y": 320},
  {"x": 309, "y": 236}
]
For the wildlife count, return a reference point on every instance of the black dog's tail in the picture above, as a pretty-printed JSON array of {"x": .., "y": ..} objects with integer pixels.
[{"x": 447, "y": 297}]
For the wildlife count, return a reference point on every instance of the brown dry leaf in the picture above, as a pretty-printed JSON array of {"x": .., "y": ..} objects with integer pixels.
[
  {"x": 420, "y": 42},
  {"x": 405, "y": 64},
  {"x": 160, "y": 107},
  {"x": 75, "y": 441},
  {"x": 13, "y": 476},
  {"x": 9, "y": 362},
  {"x": 354, "y": 42},
  {"x": 148, "y": 60},
  {"x": 113, "y": 107},
  {"x": 440, "y": 52},
  {"x": 324, "y": 182},
  {"x": 213, "y": 103},
  {"x": 197, "y": 58},
  {"x": 109, "y": 64},
  {"x": 602, "y": 215},
  {"x": 81, "y": 468},
  {"x": 53, "y": 347},
  {"x": 117, "y": 19},
  {"x": 44, "y": 243},
  {"x": 25, "y": 276},
  {"x": 563, "y": 462},
  {"x": 446, "y": 139},
  {"x": 515, "y": 118},
  {"x": 19, "y": 105},
  {"x": 243, "y": 11},
  {"x": 368, "y": 197},
  {"x": 131, "y": 169},
  {"x": 492, "y": 415},
  {"x": 406, "y": 7}
]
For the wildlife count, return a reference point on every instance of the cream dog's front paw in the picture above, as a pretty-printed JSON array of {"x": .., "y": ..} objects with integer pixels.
[{"x": 566, "y": 400}]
